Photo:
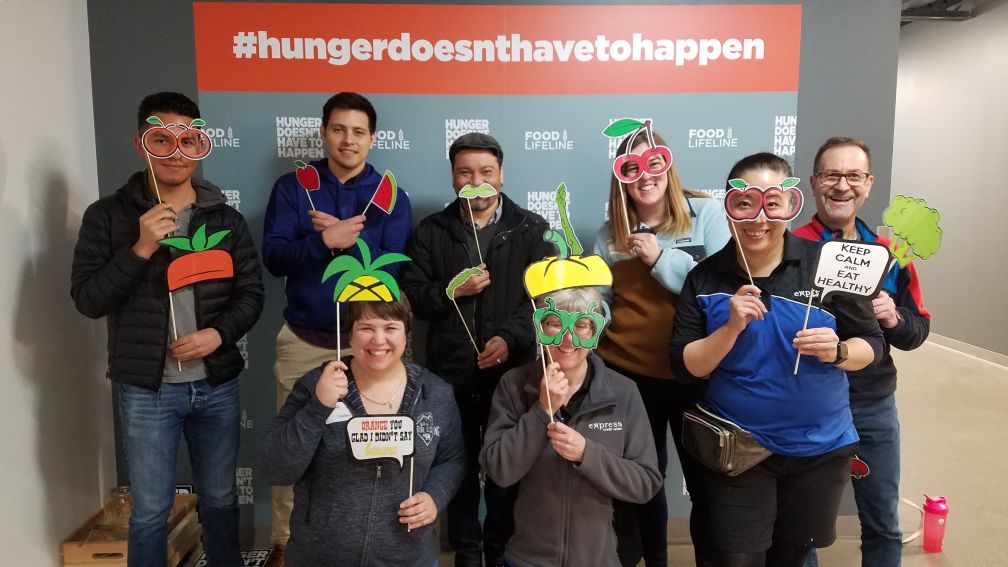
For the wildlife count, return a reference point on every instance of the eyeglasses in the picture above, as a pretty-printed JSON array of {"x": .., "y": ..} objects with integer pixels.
[
  {"x": 653, "y": 161},
  {"x": 854, "y": 178},
  {"x": 162, "y": 141},
  {"x": 585, "y": 327},
  {"x": 746, "y": 203}
]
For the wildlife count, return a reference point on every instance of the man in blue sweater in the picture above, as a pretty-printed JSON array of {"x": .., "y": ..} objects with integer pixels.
[{"x": 304, "y": 231}]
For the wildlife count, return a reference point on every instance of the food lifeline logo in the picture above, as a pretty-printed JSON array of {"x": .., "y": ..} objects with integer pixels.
[
  {"x": 711, "y": 138},
  {"x": 547, "y": 140},
  {"x": 614, "y": 143},
  {"x": 391, "y": 140},
  {"x": 784, "y": 131},
  {"x": 455, "y": 127},
  {"x": 298, "y": 137},
  {"x": 222, "y": 137}
]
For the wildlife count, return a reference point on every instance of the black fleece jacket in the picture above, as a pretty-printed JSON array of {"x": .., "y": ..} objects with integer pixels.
[
  {"x": 108, "y": 279},
  {"x": 440, "y": 250}
]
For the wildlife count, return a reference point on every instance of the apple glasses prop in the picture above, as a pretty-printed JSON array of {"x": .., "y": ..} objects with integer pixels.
[
  {"x": 629, "y": 167},
  {"x": 778, "y": 203}
]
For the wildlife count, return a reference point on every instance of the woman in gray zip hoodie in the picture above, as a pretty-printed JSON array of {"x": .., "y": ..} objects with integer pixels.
[
  {"x": 598, "y": 448},
  {"x": 349, "y": 512}
]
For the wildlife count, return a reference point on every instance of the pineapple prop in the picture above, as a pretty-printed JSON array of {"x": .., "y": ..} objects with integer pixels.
[{"x": 362, "y": 280}]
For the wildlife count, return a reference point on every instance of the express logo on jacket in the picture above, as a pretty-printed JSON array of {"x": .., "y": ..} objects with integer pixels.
[
  {"x": 425, "y": 428},
  {"x": 606, "y": 426}
]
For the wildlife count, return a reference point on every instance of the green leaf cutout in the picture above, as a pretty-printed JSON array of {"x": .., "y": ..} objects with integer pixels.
[
  {"x": 789, "y": 182},
  {"x": 563, "y": 251},
  {"x": 179, "y": 242},
  {"x": 390, "y": 258},
  {"x": 459, "y": 280},
  {"x": 738, "y": 183},
  {"x": 365, "y": 253},
  {"x": 572, "y": 240},
  {"x": 387, "y": 279},
  {"x": 215, "y": 238},
  {"x": 473, "y": 192},
  {"x": 343, "y": 263},
  {"x": 622, "y": 127},
  {"x": 299, "y": 163},
  {"x": 154, "y": 120},
  {"x": 198, "y": 123},
  {"x": 199, "y": 239}
]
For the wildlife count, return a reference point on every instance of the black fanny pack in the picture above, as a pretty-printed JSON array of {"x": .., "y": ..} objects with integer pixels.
[{"x": 719, "y": 444}]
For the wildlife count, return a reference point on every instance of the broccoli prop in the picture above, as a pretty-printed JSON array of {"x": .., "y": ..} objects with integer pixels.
[{"x": 915, "y": 229}]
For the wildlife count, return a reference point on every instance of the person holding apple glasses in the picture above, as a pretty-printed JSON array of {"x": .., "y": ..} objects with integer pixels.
[
  {"x": 656, "y": 233},
  {"x": 174, "y": 270},
  {"x": 738, "y": 325}
]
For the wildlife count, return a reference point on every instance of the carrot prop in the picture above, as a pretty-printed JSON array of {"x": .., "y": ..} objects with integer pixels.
[
  {"x": 164, "y": 141},
  {"x": 470, "y": 192},
  {"x": 385, "y": 194},
  {"x": 455, "y": 282},
  {"x": 362, "y": 280}
]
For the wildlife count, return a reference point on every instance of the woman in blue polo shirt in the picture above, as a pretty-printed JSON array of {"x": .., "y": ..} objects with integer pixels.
[{"x": 739, "y": 323}]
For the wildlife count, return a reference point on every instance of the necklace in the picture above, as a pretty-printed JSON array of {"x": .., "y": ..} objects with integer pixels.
[{"x": 387, "y": 404}]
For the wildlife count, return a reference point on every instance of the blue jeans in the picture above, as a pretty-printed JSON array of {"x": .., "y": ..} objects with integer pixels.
[
  {"x": 877, "y": 495},
  {"x": 152, "y": 423}
]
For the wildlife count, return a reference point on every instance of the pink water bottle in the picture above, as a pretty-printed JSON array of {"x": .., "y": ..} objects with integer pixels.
[{"x": 935, "y": 513}]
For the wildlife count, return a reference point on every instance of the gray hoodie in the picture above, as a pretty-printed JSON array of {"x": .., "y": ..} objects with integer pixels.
[
  {"x": 346, "y": 511},
  {"x": 563, "y": 513}
]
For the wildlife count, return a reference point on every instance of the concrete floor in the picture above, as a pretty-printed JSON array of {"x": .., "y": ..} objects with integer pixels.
[{"x": 953, "y": 414}]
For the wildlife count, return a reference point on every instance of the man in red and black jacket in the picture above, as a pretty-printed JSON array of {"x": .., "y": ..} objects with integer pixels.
[{"x": 841, "y": 182}]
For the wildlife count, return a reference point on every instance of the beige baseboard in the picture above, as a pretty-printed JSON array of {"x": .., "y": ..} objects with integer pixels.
[{"x": 968, "y": 349}]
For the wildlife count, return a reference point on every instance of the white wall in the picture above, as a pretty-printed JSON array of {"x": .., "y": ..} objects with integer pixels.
[
  {"x": 56, "y": 418},
  {"x": 951, "y": 148}
]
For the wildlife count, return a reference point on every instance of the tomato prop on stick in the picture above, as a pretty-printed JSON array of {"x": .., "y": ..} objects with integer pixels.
[
  {"x": 307, "y": 176},
  {"x": 202, "y": 263}
]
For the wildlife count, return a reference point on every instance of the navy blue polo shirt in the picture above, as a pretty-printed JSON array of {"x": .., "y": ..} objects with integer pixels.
[{"x": 755, "y": 386}]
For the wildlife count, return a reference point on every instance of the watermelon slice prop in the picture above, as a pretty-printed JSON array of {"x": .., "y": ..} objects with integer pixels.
[{"x": 385, "y": 194}]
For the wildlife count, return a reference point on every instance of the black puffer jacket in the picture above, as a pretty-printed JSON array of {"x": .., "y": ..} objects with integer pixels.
[
  {"x": 108, "y": 279},
  {"x": 440, "y": 251}
]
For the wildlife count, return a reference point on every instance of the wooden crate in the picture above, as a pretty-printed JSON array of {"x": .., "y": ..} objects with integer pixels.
[{"x": 93, "y": 546}]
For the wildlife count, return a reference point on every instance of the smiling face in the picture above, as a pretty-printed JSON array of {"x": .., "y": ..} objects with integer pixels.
[
  {"x": 760, "y": 235},
  {"x": 348, "y": 139},
  {"x": 838, "y": 204},
  {"x": 648, "y": 191},
  {"x": 475, "y": 167},
  {"x": 175, "y": 170},
  {"x": 378, "y": 344}
]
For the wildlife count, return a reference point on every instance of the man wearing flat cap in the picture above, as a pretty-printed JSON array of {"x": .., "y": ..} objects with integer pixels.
[{"x": 484, "y": 229}]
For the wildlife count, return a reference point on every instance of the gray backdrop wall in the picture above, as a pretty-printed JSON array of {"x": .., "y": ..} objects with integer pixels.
[{"x": 847, "y": 86}]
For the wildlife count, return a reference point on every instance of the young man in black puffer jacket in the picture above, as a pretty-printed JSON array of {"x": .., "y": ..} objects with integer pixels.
[{"x": 173, "y": 353}]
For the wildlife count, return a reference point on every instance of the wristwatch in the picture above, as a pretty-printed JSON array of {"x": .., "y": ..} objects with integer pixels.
[{"x": 841, "y": 353}]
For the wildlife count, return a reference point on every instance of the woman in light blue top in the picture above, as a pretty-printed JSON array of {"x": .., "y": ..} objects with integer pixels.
[{"x": 656, "y": 234}]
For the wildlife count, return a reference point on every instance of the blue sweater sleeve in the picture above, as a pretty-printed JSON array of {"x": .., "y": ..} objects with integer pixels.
[{"x": 284, "y": 252}]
